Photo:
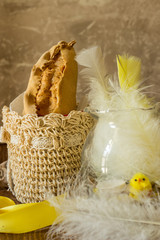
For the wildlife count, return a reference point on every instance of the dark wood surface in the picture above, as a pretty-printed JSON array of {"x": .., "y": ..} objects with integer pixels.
[
  {"x": 3, "y": 152},
  {"x": 36, "y": 235}
]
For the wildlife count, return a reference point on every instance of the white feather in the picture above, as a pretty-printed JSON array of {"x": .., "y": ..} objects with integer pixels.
[
  {"x": 109, "y": 216},
  {"x": 95, "y": 78}
]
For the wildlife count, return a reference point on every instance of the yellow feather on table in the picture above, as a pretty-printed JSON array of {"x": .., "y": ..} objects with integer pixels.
[
  {"x": 139, "y": 186},
  {"x": 129, "y": 71}
]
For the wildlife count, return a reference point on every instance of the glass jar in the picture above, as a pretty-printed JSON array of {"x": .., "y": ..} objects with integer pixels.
[{"x": 122, "y": 143}]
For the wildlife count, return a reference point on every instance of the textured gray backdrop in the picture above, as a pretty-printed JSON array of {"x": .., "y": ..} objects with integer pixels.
[{"x": 28, "y": 28}]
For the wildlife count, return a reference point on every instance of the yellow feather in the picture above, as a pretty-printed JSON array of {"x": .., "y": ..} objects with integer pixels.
[{"x": 129, "y": 69}]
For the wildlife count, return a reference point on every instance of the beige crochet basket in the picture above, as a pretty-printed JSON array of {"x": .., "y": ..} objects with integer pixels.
[{"x": 44, "y": 152}]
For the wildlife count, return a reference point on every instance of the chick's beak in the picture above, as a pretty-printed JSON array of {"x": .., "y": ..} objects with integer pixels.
[{"x": 139, "y": 180}]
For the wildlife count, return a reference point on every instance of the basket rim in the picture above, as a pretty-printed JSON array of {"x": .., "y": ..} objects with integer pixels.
[{"x": 6, "y": 109}]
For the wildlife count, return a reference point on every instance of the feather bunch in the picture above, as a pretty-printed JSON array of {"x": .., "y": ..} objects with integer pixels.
[
  {"x": 108, "y": 215},
  {"x": 101, "y": 91},
  {"x": 125, "y": 139}
]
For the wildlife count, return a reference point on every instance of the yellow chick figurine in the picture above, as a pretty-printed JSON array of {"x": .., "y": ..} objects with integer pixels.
[{"x": 139, "y": 186}]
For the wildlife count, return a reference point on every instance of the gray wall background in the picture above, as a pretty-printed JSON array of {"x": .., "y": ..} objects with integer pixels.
[{"x": 30, "y": 27}]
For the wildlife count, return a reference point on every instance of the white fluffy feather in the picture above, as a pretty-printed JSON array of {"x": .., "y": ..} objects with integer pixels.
[
  {"x": 95, "y": 78},
  {"x": 109, "y": 216}
]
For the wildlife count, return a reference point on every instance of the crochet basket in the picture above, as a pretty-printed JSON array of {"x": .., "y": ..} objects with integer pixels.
[{"x": 44, "y": 153}]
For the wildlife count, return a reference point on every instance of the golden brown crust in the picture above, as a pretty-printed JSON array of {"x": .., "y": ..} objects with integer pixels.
[{"x": 53, "y": 82}]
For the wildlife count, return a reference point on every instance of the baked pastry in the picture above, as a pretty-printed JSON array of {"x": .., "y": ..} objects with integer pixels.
[{"x": 53, "y": 82}]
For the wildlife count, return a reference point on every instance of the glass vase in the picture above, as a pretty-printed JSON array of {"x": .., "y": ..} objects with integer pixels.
[{"x": 122, "y": 143}]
